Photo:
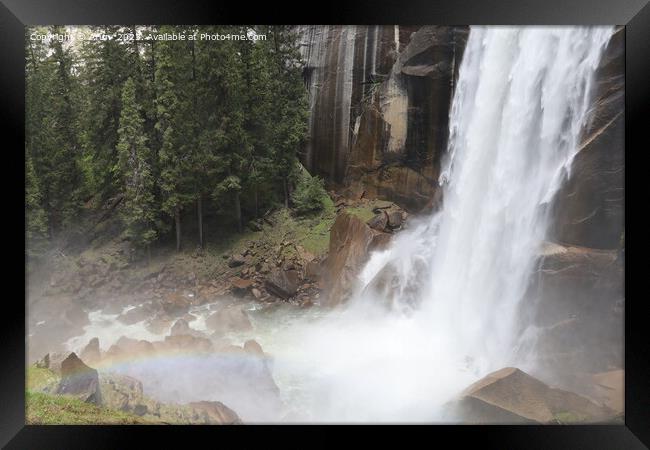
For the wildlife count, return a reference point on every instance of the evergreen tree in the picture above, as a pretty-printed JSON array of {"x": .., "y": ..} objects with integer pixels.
[
  {"x": 35, "y": 217},
  {"x": 289, "y": 104},
  {"x": 173, "y": 109},
  {"x": 108, "y": 63},
  {"x": 134, "y": 167}
]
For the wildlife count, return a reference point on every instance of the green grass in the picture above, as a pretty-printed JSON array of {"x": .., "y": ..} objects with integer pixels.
[
  {"x": 44, "y": 409},
  {"x": 41, "y": 379},
  {"x": 567, "y": 417}
]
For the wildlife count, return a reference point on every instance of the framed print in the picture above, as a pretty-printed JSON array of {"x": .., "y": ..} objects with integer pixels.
[{"x": 374, "y": 218}]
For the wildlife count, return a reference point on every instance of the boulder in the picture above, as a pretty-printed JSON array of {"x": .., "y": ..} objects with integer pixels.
[
  {"x": 251, "y": 346},
  {"x": 91, "y": 352},
  {"x": 232, "y": 318},
  {"x": 395, "y": 220},
  {"x": 256, "y": 293},
  {"x": 79, "y": 380},
  {"x": 351, "y": 242},
  {"x": 609, "y": 389},
  {"x": 127, "y": 347},
  {"x": 122, "y": 392},
  {"x": 379, "y": 221},
  {"x": 236, "y": 261},
  {"x": 215, "y": 413},
  {"x": 282, "y": 283},
  {"x": 511, "y": 396}
]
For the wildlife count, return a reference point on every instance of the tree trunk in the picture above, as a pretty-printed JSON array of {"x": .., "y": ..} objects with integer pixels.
[
  {"x": 255, "y": 193},
  {"x": 238, "y": 212},
  {"x": 199, "y": 207},
  {"x": 285, "y": 185},
  {"x": 177, "y": 219}
]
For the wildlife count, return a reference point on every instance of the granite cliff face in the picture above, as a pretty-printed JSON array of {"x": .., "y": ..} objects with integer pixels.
[
  {"x": 590, "y": 206},
  {"x": 379, "y": 99}
]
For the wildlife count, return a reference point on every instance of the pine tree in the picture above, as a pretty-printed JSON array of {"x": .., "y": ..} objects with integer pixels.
[
  {"x": 35, "y": 217},
  {"x": 54, "y": 149},
  {"x": 107, "y": 65},
  {"x": 290, "y": 107},
  {"x": 134, "y": 167},
  {"x": 173, "y": 109}
]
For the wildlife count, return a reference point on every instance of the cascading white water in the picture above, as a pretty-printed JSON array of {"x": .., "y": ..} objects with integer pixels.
[{"x": 518, "y": 110}]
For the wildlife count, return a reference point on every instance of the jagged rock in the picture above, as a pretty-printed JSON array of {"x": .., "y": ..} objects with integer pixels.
[
  {"x": 236, "y": 261},
  {"x": 126, "y": 348},
  {"x": 380, "y": 205},
  {"x": 282, "y": 283},
  {"x": 53, "y": 361},
  {"x": 351, "y": 241},
  {"x": 91, "y": 352},
  {"x": 232, "y": 318},
  {"x": 379, "y": 222},
  {"x": 395, "y": 219},
  {"x": 79, "y": 380},
  {"x": 251, "y": 346},
  {"x": 609, "y": 388},
  {"x": 122, "y": 392},
  {"x": 512, "y": 396},
  {"x": 215, "y": 413}
]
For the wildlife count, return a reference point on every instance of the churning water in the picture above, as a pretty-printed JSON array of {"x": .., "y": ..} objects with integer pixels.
[{"x": 455, "y": 282}]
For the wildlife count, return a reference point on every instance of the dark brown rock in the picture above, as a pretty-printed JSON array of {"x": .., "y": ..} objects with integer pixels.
[
  {"x": 350, "y": 242},
  {"x": 282, "y": 283},
  {"x": 79, "y": 380},
  {"x": 379, "y": 222},
  {"x": 236, "y": 261}
]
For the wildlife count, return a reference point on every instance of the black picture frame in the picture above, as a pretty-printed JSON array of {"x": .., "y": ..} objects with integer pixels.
[{"x": 16, "y": 14}]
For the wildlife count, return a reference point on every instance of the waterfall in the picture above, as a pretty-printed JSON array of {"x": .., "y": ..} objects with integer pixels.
[{"x": 456, "y": 281}]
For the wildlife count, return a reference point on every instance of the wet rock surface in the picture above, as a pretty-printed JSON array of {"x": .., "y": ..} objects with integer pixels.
[{"x": 511, "y": 396}]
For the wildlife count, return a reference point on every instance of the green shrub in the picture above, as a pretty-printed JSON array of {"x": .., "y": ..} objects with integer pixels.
[{"x": 309, "y": 195}]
